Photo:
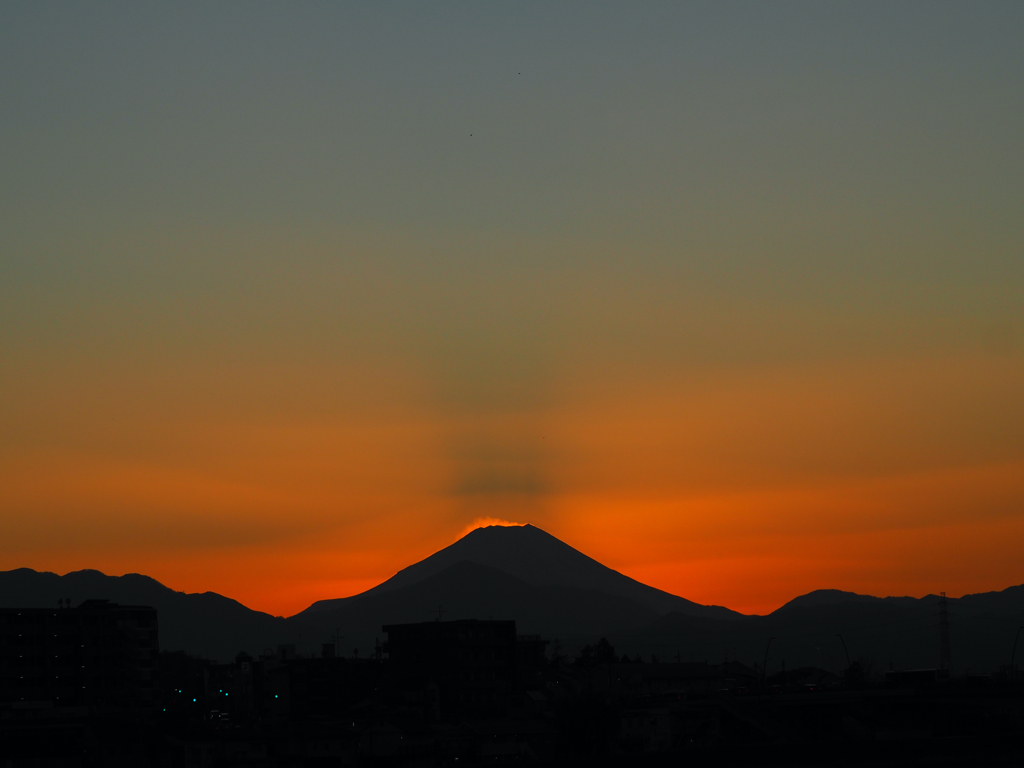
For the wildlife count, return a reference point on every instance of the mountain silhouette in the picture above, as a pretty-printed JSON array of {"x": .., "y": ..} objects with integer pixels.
[
  {"x": 553, "y": 590},
  {"x": 536, "y": 558},
  {"x": 204, "y": 624},
  {"x": 822, "y": 627},
  {"x": 835, "y": 597}
]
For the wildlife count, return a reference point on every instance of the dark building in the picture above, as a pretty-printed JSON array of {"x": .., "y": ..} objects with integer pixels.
[
  {"x": 99, "y": 655},
  {"x": 531, "y": 661},
  {"x": 473, "y": 664}
]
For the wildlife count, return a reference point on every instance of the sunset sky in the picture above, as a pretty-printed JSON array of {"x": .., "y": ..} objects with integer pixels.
[{"x": 728, "y": 296}]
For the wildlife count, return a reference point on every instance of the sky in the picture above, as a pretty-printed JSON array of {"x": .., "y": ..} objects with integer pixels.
[{"x": 728, "y": 296}]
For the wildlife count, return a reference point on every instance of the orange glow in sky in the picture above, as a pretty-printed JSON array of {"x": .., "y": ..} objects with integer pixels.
[{"x": 727, "y": 298}]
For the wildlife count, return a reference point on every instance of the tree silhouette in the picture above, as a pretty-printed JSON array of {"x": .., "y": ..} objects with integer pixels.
[{"x": 597, "y": 655}]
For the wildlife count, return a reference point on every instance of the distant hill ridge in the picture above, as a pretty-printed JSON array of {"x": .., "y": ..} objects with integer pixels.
[
  {"x": 834, "y": 597},
  {"x": 552, "y": 589},
  {"x": 1009, "y": 599},
  {"x": 204, "y": 623}
]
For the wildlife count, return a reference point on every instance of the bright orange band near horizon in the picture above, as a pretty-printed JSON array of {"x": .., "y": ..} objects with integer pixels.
[{"x": 279, "y": 516}]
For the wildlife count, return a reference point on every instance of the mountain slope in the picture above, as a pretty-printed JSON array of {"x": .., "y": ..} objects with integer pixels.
[
  {"x": 468, "y": 590},
  {"x": 204, "y": 624},
  {"x": 537, "y": 558}
]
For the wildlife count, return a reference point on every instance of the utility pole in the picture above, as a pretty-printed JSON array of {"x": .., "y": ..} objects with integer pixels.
[
  {"x": 1014, "y": 652},
  {"x": 337, "y": 637},
  {"x": 944, "y": 656},
  {"x": 848, "y": 665},
  {"x": 764, "y": 666},
  {"x": 440, "y": 610}
]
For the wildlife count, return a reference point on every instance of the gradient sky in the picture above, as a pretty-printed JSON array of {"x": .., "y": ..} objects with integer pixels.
[{"x": 729, "y": 296}]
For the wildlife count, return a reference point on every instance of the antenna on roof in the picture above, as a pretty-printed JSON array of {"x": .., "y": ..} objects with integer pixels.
[
  {"x": 944, "y": 655},
  {"x": 337, "y": 637}
]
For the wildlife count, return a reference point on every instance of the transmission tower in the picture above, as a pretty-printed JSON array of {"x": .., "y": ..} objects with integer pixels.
[{"x": 944, "y": 660}]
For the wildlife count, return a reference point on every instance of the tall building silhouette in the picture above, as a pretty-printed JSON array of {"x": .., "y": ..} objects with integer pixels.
[{"x": 100, "y": 654}]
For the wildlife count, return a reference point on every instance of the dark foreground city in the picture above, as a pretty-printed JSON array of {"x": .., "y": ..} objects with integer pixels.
[{"x": 87, "y": 686}]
